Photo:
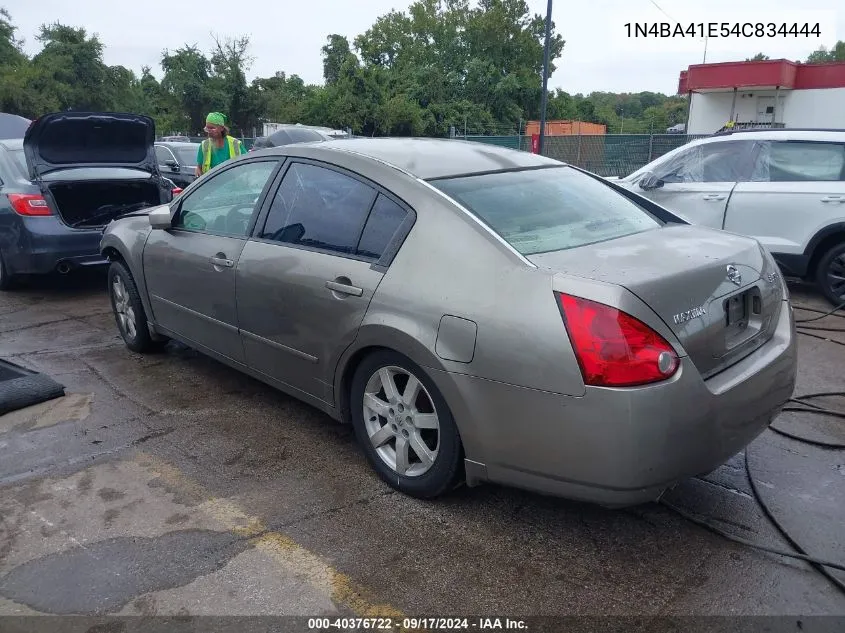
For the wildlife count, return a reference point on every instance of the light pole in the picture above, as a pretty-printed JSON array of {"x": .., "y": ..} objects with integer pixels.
[{"x": 546, "y": 52}]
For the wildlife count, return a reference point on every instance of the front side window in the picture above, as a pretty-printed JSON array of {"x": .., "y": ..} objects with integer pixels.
[
  {"x": 319, "y": 208},
  {"x": 797, "y": 161},
  {"x": 225, "y": 202},
  {"x": 707, "y": 162},
  {"x": 542, "y": 210}
]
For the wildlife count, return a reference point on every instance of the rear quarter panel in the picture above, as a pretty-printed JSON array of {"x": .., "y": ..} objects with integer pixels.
[{"x": 450, "y": 265}]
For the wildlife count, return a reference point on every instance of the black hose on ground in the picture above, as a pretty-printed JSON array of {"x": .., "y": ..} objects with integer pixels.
[
  {"x": 817, "y": 311},
  {"x": 772, "y": 550},
  {"x": 822, "y": 566},
  {"x": 809, "y": 407},
  {"x": 821, "y": 338},
  {"x": 807, "y": 330}
]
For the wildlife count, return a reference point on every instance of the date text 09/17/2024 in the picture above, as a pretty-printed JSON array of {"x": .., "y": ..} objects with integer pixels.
[
  {"x": 721, "y": 29},
  {"x": 416, "y": 624}
]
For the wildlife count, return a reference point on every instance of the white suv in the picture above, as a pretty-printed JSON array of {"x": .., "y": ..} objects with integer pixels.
[{"x": 784, "y": 187}]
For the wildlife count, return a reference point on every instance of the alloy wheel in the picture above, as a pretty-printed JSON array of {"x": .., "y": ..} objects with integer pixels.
[
  {"x": 123, "y": 307},
  {"x": 401, "y": 421}
]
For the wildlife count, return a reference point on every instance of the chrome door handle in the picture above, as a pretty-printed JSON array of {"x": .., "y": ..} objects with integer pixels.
[
  {"x": 222, "y": 261},
  {"x": 839, "y": 199},
  {"x": 344, "y": 288},
  {"x": 714, "y": 196}
]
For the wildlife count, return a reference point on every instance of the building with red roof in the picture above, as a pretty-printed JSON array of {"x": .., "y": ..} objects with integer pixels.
[{"x": 774, "y": 93}]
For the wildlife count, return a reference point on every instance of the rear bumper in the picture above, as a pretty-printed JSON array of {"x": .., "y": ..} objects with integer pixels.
[
  {"x": 38, "y": 245},
  {"x": 622, "y": 447}
]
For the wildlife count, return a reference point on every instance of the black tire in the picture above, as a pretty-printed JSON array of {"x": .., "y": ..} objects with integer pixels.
[
  {"x": 137, "y": 338},
  {"x": 7, "y": 281},
  {"x": 832, "y": 266},
  {"x": 446, "y": 471}
]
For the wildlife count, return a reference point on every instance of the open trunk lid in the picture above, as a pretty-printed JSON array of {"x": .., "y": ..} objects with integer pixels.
[
  {"x": 73, "y": 140},
  {"x": 717, "y": 292},
  {"x": 94, "y": 167}
]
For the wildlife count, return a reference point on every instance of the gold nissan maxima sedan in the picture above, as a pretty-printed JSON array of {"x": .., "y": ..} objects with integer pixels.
[{"x": 476, "y": 313}]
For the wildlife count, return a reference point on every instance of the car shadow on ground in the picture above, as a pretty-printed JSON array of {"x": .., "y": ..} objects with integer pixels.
[{"x": 76, "y": 284}]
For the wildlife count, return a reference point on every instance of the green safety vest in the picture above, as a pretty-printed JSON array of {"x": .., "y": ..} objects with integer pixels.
[{"x": 234, "y": 150}]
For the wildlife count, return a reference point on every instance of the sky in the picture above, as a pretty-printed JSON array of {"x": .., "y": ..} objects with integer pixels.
[{"x": 600, "y": 54}]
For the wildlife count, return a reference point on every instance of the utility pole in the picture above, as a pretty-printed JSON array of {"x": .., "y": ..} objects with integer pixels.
[{"x": 546, "y": 53}]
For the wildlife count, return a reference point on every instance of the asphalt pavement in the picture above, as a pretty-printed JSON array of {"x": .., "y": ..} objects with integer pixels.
[{"x": 170, "y": 484}]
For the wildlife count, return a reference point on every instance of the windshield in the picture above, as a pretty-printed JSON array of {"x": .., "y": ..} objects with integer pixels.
[
  {"x": 186, "y": 155},
  {"x": 543, "y": 210}
]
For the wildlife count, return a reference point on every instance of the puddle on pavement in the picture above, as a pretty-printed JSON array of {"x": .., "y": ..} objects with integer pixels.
[
  {"x": 72, "y": 407},
  {"x": 109, "y": 574}
]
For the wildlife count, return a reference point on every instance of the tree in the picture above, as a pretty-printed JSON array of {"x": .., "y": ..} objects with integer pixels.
[
  {"x": 656, "y": 118},
  {"x": 475, "y": 66},
  {"x": 824, "y": 55},
  {"x": 759, "y": 57},
  {"x": 335, "y": 53},
  {"x": 228, "y": 89},
  {"x": 11, "y": 53},
  {"x": 186, "y": 85},
  {"x": 70, "y": 66}
]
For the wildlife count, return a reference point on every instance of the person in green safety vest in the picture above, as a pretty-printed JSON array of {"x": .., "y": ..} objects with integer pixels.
[{"x": 219, "y": 146}]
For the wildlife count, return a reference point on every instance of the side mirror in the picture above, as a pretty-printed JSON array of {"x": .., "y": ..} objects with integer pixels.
[
  {"x": 650, "y": 181},
  {"x": 172, "y": 164},
  {"x": 160, "y": 218}
]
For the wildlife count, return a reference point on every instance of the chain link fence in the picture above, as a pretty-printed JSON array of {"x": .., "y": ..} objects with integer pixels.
[
  {"x": 248, "y": 142},
  {"x": 603, "y": 154}
]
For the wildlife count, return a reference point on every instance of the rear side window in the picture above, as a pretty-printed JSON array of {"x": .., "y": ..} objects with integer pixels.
[
  {"x": 19, "y": 160},
  {"x": 303, "y": 136},
  {"x": 382, "y": 225},
  {"x": 543, "y": 210},
  {"x": 319, "y": 208},
  {"x": 163, "y": 154},
  {"x": 797, "y": 161}
]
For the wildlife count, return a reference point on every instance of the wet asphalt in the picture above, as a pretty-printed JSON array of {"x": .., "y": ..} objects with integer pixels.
[{"x": 170, "y": 484}]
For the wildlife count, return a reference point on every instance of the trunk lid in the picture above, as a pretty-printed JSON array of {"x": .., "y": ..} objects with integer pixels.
[
  {"x": 73, "y": 140},
  {"x": 716, "y": 291}
]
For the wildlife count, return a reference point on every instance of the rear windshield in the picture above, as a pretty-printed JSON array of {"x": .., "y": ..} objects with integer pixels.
[
  {"x": 543, "y": 210},
  {"x": 187, "y": 155}
]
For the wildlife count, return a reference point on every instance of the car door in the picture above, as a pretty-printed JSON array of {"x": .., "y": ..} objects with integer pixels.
[
  {"x": 697, "y": 183},
  {"x": 190, "y": 268},
  {"x": 305, "y": 280},
  {"x": 796, "y": 188}
]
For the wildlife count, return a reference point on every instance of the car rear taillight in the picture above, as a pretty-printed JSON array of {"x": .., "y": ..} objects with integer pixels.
[
  {"x": 613, "y": 348},
  {"x": 29, "y": 204},
  {"x": 176, "y": 191}
]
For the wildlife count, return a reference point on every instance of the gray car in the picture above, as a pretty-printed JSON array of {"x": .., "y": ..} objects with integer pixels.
[
  {"x": 177, "y": 161},
  {"x": 60, "y": 184},
  {"x": 474, "y": 312}
]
